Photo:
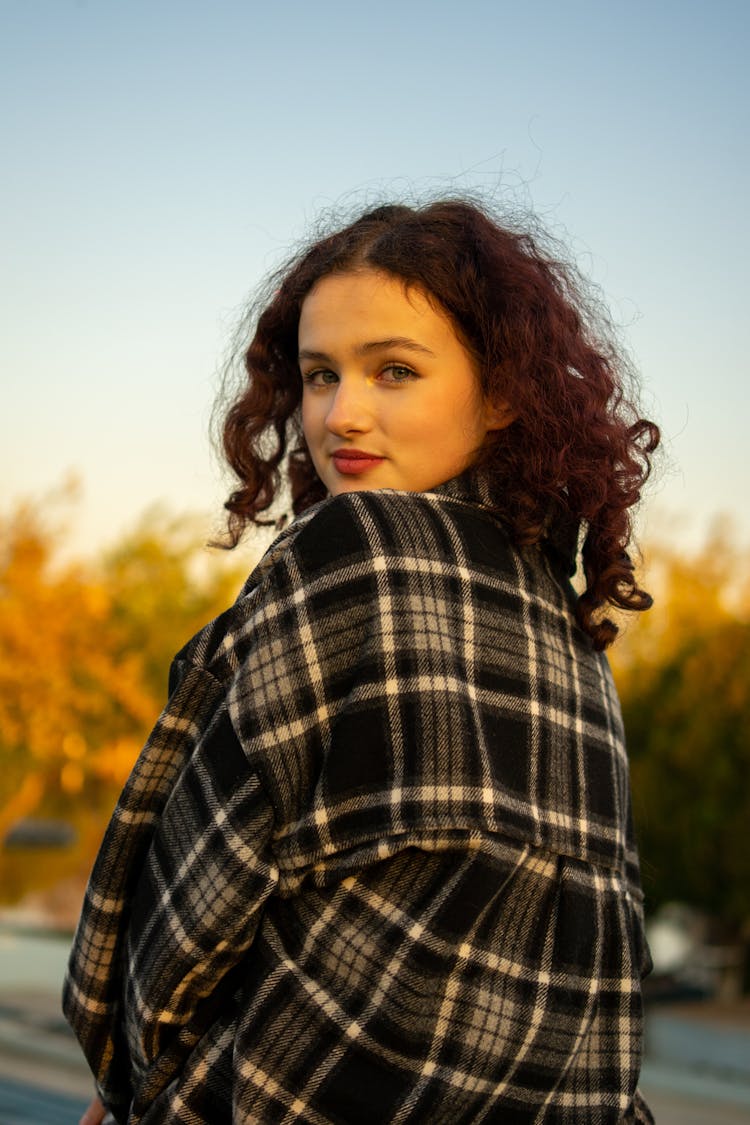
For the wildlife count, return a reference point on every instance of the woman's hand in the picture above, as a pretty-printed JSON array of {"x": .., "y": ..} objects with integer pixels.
[{"x": 94, "y": 1115}]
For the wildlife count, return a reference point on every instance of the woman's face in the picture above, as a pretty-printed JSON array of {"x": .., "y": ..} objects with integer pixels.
[{"x": 391, "y": 397}]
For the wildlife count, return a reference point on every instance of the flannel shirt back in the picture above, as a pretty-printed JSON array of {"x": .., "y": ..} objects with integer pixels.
[{"x": 375, "y": 863}]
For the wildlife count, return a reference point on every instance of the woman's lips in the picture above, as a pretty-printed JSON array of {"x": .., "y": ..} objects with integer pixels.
[{"x": 351, "y": 462}]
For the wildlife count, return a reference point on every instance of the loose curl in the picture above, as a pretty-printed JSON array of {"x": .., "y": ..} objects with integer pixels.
[{"x": 577, "y": 448}]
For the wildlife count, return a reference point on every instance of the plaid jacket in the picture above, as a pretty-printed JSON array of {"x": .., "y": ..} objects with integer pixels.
[{"x": 375, "y": 862}]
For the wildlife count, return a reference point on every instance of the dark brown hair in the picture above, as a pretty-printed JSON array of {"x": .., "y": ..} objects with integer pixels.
[{"x": 577, "y": 445}]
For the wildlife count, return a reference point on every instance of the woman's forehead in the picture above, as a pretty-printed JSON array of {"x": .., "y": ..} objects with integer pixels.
[{"x": 368, "y": 305}]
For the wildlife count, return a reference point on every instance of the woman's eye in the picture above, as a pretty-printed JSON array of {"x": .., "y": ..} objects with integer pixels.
[
  {"x": 397, "y": 373},
  {"x": 319, "y": 378}
]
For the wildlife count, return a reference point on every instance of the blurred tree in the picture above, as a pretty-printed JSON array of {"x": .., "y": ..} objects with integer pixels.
[
  {"x": 84, "y": 656},
  {"x": 163, "y": 587},
  {"x": 684, "y": 676}
]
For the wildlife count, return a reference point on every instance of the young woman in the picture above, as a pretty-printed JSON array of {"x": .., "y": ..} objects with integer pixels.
[{"x": 375, "y": 863}]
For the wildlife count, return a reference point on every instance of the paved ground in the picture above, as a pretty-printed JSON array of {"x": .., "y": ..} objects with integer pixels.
[
  {"x": 24, "y": 1104},
  {"x": 43, "y": 1078},
  {"x": 677, "y": 1097},
  {"x": 671, "y": 1109}
]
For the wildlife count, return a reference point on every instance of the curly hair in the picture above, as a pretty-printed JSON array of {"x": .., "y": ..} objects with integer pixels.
[{"x": 577, "y": 445}]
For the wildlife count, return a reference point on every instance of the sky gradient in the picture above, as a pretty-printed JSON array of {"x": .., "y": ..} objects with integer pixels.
[{"x": 161, "y": 157}]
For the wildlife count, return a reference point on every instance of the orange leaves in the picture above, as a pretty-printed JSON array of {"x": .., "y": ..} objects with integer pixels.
[
  {"x": 84, "y": 654},
  {"x": 22, "y": 802},
  {"x": 694, "y": 593},
  {"x": 683, "y": 671}
]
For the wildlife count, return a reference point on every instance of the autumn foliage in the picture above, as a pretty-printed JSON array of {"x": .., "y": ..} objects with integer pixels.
[
  {"x": 84, "y": 655},
  {"x": 684, "y": 676}
]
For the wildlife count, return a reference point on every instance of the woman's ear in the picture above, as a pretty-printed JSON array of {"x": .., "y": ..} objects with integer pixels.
[{"x": 498, "y": 415}]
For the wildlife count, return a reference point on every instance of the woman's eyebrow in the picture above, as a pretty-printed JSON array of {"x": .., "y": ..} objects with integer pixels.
[
  {"x": 372, "y": 346},
  {"x": 394, "y": 342},
  {"x": 317, "y": 357}
]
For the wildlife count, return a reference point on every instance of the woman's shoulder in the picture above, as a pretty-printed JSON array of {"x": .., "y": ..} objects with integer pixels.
[
  {"x": 389, "y": 524},
  {"x": 356, "y": 545}
]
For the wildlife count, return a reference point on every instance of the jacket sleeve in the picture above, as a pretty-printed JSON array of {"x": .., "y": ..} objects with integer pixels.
[{"x": 173, "y": 902}]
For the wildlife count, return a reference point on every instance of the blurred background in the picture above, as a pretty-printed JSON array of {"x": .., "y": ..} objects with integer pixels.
[{"x": 159, "y": 160}]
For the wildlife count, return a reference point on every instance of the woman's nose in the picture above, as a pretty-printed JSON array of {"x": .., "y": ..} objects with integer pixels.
[{"x": 349, "y": 410}]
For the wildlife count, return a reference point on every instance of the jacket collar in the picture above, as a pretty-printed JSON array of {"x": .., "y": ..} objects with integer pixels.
[{"x": 560, "y": 539}]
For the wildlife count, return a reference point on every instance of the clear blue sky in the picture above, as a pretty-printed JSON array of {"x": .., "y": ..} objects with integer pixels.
[{"x": 159, "y": 157}]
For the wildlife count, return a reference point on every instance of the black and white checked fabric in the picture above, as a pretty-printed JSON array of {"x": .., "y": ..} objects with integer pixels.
[{"x": 375, "y": 862}]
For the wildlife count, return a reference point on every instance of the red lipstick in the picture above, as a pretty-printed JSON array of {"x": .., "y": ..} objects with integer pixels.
[{"x": 353, "y": 461}]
